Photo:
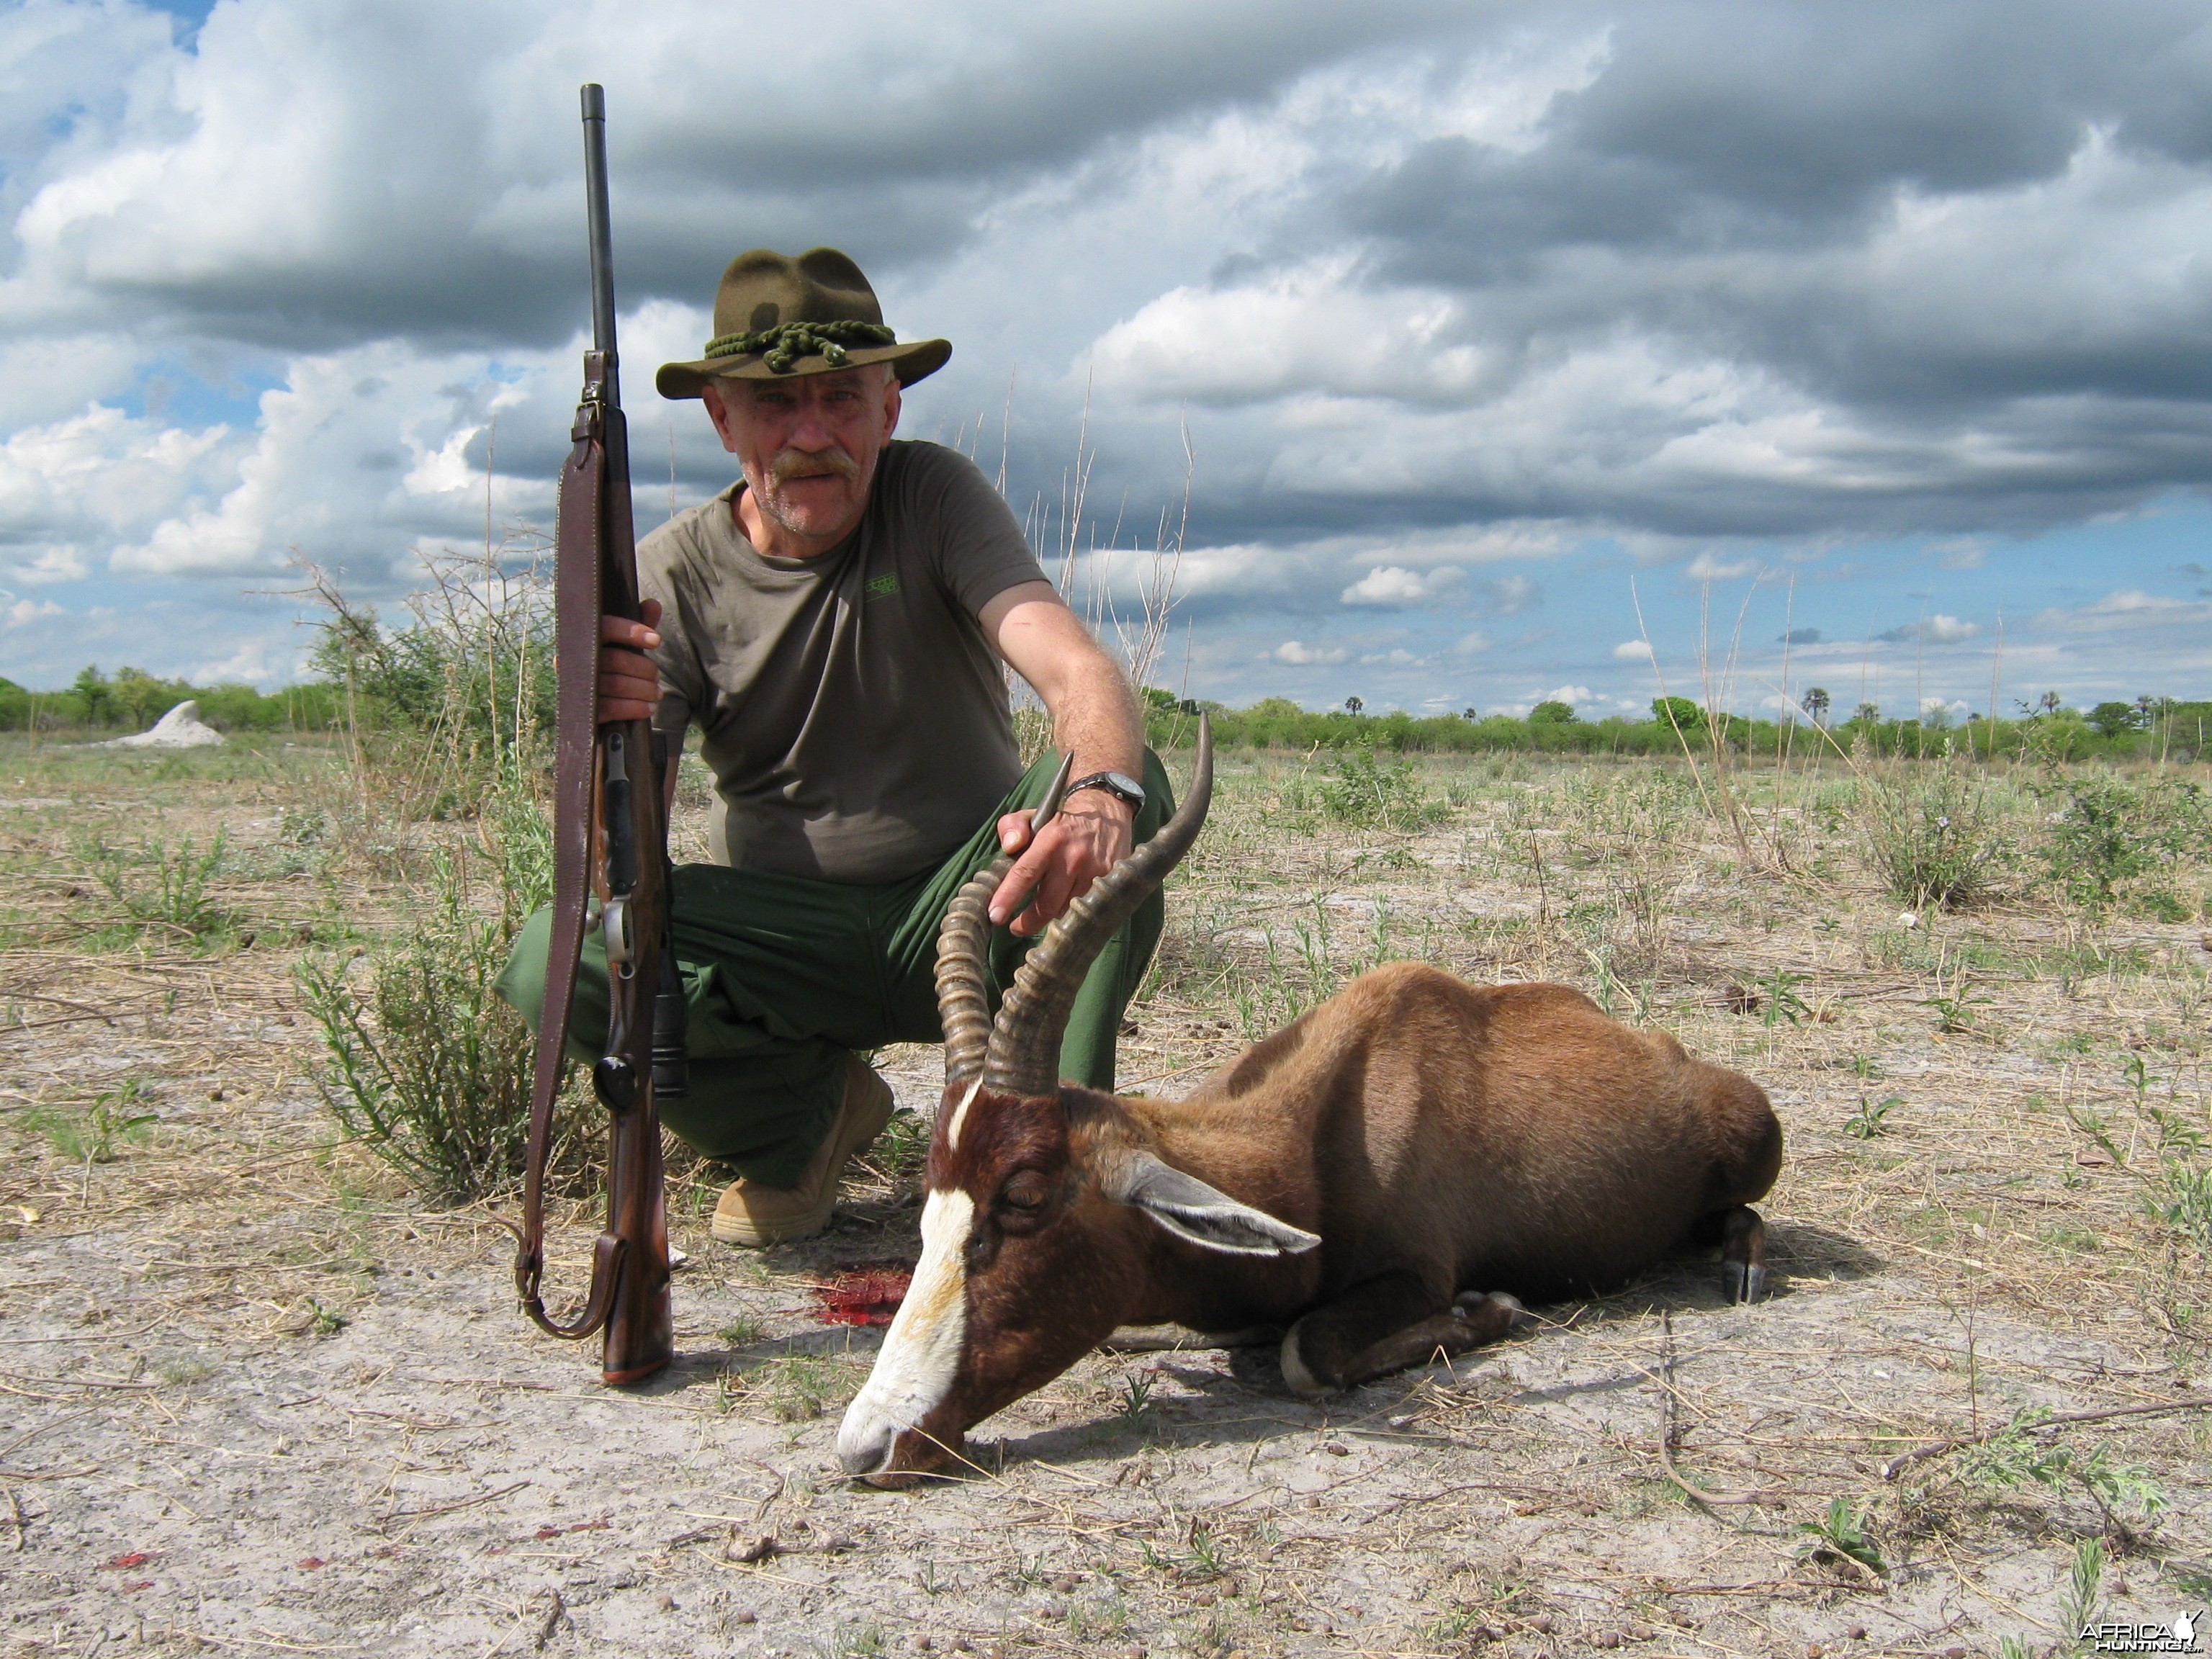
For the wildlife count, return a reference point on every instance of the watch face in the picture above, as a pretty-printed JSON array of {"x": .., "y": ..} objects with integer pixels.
[{"x": 1123, "y": 787}]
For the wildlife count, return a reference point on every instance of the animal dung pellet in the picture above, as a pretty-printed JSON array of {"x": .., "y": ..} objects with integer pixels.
[
  {"x": 1856, "y": 1633},
  {"x": 665, "y": 1601},
  {"x": 744, "y": 1616},
  {"x": 1066, "y": 1582},
  {"x": 750, "y": 1550},
  {"x": 1336, "y": 1449}
]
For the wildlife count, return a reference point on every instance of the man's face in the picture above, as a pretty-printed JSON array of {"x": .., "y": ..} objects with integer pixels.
[{"x": 808, "y": 444}]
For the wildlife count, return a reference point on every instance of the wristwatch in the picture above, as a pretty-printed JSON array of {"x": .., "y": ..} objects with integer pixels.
[{"x": 1120, "y": 785}]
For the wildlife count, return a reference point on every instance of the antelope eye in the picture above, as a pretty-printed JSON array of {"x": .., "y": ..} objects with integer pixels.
[{"x": 1025, "y": 1190}]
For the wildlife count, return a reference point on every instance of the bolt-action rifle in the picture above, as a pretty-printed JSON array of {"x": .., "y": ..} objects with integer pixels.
[{"x": 610, "y": 840}]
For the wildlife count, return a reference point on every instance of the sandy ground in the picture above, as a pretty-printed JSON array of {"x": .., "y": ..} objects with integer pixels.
[{"x": 256, "y": 1399}]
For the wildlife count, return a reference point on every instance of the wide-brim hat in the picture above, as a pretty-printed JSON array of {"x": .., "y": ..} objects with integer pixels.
[{"x": 776, "y": 317}]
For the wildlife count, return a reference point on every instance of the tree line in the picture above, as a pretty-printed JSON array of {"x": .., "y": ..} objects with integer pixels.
[
  {"x": 2148, "y": 728},
  {"x": 396, "y": 679}
]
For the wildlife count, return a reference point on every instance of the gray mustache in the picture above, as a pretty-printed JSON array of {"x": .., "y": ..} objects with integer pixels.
[{"x": 803, "y": 464}]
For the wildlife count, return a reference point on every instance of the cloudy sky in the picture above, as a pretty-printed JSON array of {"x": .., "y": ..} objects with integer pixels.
[{"x": 1887, "y": 330}]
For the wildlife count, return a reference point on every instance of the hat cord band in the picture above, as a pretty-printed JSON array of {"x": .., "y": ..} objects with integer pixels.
[{"x": 784, "y": 345}]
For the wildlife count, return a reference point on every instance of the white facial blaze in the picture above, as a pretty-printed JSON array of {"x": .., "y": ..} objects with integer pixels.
[
  {"x": 921, "y": 1351},
  {"x": 960, "y": 1115}
]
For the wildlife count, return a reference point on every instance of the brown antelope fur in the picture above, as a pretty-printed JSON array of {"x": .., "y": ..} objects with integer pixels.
[{"x": 1388, "y": 1177}]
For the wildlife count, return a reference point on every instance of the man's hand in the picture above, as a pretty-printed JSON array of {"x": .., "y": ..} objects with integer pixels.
[
  {"x": 1089, "y": 837},
  {"x": 629, "y": 689}
]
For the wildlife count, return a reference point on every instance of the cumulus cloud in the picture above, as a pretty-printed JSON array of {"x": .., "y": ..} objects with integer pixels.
[
  {"x": 1307, "y": 331},
  {"x": 1710, "y": 567},
  {"x": 1632, "y": 651},
  {"x": 1393, "y": 586},
  {"x": 23, "y": 612},
  {"x": 1938, "y": 629},
  {"x": 1297, "y": 654},
  {"x": 1509, "y": 596}
]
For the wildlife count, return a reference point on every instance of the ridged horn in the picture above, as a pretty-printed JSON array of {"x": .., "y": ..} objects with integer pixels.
[
  {"x": 1023, "y": 1057},
  {"x": 963, "y": 966}
]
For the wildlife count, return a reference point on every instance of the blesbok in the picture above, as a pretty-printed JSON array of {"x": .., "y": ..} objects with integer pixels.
[{"x": 1385, "y": 1176}]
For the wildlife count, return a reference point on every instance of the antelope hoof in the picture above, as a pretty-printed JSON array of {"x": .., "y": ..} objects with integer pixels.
[
  {"x": 1743, "y": 1281},
  {"x": 1298, "y": 1376},
  {"x": 1469, "y": 1305}
]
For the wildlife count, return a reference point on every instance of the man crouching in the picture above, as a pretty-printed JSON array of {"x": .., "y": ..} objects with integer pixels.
[{"x": 835, "y": 624}]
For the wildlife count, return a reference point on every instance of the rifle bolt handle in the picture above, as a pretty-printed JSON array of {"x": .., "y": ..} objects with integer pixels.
[{"x": 615, "y": 923}]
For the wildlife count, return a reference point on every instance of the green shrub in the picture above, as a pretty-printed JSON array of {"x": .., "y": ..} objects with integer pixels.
[
  {"x": 2106, "y": 833},
  {"x": 1933, "y": 840},
  {"x": 90, "y": 1136},
  {"x": 1364, "y": 790},
  {"x": 424, "y": 1065},
  {"x": 164, "y": 893},
  {"x": 437, "y": 705}
]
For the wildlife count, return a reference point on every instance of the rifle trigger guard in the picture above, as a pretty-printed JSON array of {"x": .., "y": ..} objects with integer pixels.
[{"x": 614, "y": 921}]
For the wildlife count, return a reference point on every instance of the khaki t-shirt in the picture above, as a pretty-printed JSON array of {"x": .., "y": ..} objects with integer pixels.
[{"x": 854, "y": 716}]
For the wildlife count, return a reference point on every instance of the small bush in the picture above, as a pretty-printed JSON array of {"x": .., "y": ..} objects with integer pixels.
[
  {"x": 91, "y": 1138},
  {"x": 425, "y": 1066},
  {"x": 2107, "y": 833},
  {"x": 1364, "y": 790},
  {"x": 1933, "y": 842},
  {"x": 164, "y": 892}
]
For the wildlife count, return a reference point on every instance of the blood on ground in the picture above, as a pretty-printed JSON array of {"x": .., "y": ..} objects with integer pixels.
[{"x": 866, "y": 1293}]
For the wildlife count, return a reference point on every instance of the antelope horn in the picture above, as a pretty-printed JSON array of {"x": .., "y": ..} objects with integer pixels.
[
  {"x": 1023, "y": 1056},
  {"x": 964, "y": 969}
]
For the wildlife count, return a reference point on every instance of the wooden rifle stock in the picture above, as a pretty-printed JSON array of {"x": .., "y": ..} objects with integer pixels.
[{"x": 609, "y": 835}]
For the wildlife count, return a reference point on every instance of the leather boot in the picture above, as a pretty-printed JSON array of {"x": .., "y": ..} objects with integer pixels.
[{"x": 751, "y": 1214}]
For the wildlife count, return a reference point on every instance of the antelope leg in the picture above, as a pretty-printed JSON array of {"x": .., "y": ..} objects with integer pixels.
[
  {"x": 1318, "y": 1351},
  {"x": 1743, "y": 1254},
  {"x": 1473, "y": 1321}
]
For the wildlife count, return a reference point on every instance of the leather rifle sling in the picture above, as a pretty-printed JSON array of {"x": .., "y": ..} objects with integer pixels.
[{"x": 576, "y": 659}]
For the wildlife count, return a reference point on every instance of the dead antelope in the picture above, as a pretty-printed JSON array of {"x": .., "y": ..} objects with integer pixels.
[{"x": 1385, "y": 1176}]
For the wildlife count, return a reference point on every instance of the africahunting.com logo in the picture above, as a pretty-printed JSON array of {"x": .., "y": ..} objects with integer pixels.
[{"x": 2180, "y": 1637}]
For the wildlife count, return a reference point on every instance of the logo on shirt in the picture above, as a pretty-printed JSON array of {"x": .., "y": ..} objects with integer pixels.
[{"x": 883, "y": 587}]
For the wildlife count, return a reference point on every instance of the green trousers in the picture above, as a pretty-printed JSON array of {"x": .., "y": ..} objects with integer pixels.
[{"x": 786, "y": 977}]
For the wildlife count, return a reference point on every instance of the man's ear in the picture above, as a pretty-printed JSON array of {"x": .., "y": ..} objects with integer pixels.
[
  {"x": 1190, "y": 1209},
  {"x": 718, "y": 411},
  {"x": 890, "y": 401}
]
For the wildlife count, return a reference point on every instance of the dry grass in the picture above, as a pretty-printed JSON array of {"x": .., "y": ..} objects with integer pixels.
[{"x": 235, "y": 1348}]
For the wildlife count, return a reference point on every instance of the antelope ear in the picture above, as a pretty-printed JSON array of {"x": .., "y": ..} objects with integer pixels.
[{"x": 1190, "y": 1209}]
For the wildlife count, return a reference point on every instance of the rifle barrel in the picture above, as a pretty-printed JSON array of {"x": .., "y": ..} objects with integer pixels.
[{"x": 602, "y": 232}]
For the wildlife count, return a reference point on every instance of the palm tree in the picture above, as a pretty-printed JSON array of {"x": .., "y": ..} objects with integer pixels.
[
  {"x": 1816, "y": 705},
  {"x": 1867, "y": 713},
  {"x": 1353, "y": 705}
]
